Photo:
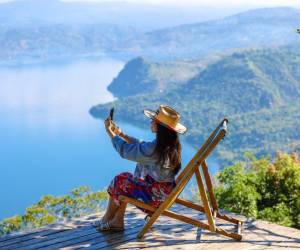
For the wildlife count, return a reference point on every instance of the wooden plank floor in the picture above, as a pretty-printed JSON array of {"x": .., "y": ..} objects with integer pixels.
[{"x": 166, "y": 234}]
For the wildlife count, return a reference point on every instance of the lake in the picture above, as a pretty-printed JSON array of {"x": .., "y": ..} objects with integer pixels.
[{"x": 49, "y": 142}]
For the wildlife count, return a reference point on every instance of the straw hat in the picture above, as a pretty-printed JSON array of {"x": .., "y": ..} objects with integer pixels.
[{"x": 167, "y": 116}]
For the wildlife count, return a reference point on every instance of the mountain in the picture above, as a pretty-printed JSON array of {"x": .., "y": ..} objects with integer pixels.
[
  {"x": 60, "y": 42},
  {"x": 258, "y": 90},
  {"x": 260, "y": 78},
  {"x": 256, "y": 28},
  {"x": 151, "y": 77},
  {"x": 35, "y": 31}
]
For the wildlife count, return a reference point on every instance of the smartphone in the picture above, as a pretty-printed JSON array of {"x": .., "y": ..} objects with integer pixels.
[{"x": 111, "y": 113}]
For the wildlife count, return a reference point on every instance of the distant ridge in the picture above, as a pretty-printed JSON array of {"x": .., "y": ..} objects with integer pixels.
[
  {"x": 267, "y": 27},
  {"x": 56, "y": 40}
]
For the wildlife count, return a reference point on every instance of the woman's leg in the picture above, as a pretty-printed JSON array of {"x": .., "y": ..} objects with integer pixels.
[
  {"x": 118, "y": 219},
  {"x": 114, "y": 190},
  {"x": 111, "y": 210}
]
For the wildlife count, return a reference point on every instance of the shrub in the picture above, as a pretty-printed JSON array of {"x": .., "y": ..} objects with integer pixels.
[
  {"x": 263, "y": 189},
  {"x": 50, "y": 209}
]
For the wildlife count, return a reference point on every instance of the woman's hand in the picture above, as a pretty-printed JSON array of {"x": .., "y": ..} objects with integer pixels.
[
  {"x": 109, "y": 128},
  {"x": 112, "y": 129},
  {"x": 116, "y": 129}
]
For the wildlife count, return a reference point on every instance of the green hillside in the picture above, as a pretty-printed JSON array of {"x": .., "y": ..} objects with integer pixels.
[
  {"x": 248, "y": 81},
  {"x": 142, "y": 76},
  {"x": 257, "y": 90}
]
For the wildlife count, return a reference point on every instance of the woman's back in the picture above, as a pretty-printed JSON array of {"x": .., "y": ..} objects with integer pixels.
[{"x": 147, "y": 159}]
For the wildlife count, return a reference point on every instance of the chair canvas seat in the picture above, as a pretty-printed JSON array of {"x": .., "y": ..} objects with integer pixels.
[{"x": 209, "y": 207}]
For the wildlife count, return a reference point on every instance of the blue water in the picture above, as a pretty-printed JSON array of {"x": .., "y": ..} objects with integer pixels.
[{"x": 49, "y": 142}]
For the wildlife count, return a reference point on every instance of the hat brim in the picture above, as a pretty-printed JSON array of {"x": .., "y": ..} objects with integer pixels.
[{"x": 179, "y": 128}]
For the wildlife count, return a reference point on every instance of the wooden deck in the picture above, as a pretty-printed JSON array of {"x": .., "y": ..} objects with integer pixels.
[{"x": 166, "y": 234}]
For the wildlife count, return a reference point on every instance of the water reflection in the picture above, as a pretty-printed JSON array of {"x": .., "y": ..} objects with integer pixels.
[{"x": 55, "y": 96}]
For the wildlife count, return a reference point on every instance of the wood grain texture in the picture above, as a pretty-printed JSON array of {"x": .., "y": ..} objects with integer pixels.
[{"x": 166, "y": 233}]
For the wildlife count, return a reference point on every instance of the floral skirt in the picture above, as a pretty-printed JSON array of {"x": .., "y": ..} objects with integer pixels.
[{"x": 146, "y": 190}]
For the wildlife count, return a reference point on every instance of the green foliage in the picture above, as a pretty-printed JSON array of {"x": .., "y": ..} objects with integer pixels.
[
  {"x": 151, "y": 77},
  {"x": 237, "y": 192},
  {"x": 279, "y": 213},
  {"x": 263, "y": 189},
  {"x": 11, "y": 224},
  {"x": 37, "y": 216},
  {"x": 50, "y": 209}
]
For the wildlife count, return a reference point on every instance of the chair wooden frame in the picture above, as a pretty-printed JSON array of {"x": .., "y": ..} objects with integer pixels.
[{"x": 209, "y": 207}]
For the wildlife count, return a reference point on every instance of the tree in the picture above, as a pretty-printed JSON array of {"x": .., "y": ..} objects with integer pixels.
[
  {"x": 264, "y": 189},
  {"x": 50, "y": 209}
]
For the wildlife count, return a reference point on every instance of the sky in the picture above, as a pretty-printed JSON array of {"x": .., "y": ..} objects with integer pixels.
[
  {"x": 212, "y": 2},
  {"x": 207, "y": 3}
]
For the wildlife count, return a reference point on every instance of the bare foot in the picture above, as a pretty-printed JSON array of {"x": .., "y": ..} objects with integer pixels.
[
  {"x": 97, "y": 223},
  {"x": 116, "y": 223},
  {"x": 104, "y": 219}
]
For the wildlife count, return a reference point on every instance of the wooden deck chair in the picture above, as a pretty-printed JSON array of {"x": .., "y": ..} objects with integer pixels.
[{"x": 209, "y": 207}]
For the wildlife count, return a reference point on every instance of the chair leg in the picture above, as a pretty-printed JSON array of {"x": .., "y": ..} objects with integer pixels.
[
  {"x": 209, "y": 186},
  {"x": 146, "y": 227},
  {"x": 167, "y": 203},
  {"x": 204, "y": 199}
]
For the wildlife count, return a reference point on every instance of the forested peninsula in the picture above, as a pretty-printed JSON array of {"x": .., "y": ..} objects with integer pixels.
[{"x": 257, "y": 89}]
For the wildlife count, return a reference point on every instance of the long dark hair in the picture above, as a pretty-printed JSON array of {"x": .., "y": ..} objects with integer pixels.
[{"x": 168, "y": 147}]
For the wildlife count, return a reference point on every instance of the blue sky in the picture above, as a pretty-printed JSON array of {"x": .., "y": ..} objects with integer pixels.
[{"x": 212, "y": 3}]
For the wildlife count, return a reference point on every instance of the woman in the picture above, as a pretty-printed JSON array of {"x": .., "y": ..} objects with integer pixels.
[{"x": 158, "y": 162}]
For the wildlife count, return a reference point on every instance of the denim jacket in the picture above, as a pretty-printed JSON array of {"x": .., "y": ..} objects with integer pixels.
[{"x": 143, "y": 153}]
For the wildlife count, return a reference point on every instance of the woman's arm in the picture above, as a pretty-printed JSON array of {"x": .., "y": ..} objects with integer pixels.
[
  {"x": 138, "y": 151},
  {"x": 126, "y": 137},
  {"x": 119, "y": 132}
]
